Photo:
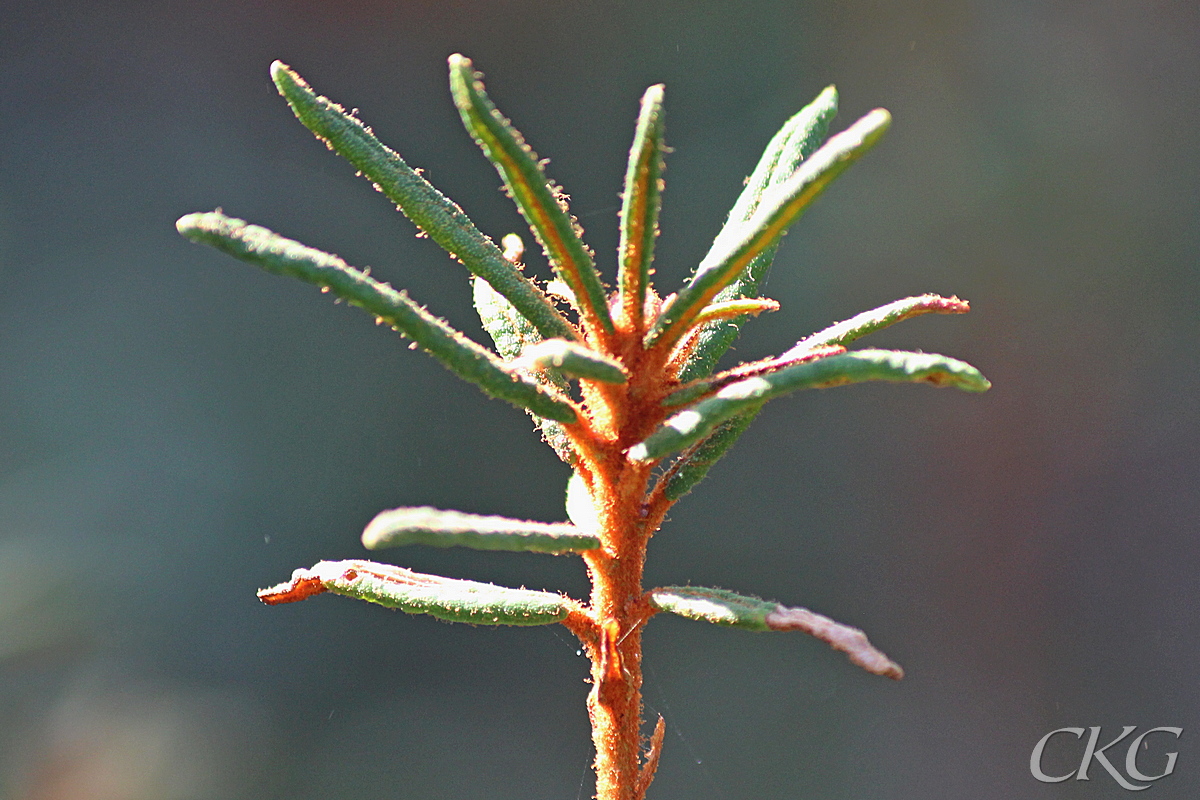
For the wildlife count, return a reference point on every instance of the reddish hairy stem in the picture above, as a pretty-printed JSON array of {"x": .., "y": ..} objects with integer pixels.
[{"x": 616, "y": 417}]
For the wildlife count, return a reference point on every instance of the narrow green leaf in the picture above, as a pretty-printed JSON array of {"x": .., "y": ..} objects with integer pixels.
[
  {"x": 696, "y": 422},
  {"x": 692, "y": 466},
  {"x": 723, "y": 607},
  {"x": 542, "y": 204},
  {"x": 571, "y": 359},
  {"x": 686, "y": 395},
  {"x": 799, "y": 138},
  {"x": 429, "y": 526},
  {"x": 460, "y": 355},
  {"x": 429, "y": 209},
  {"x": 445, "y": 598},
  {"x": 778, "y": 208},
  {"x": 735, "y": 309},
  {"x": 640, "y": 205},
  {"x": 843, "y": 333},
  {"x": 556, "y": 436},
  {"x": 718, "y": 606},
  {"x": 512, "y": 333}
]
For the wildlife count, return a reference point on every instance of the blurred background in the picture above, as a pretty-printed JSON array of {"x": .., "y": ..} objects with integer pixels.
[{"x": 178, "y": 429}]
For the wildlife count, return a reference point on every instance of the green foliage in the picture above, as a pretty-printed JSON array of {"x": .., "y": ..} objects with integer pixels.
[
  {"x": 780, "y": 205},
  {"x": 435, "y": 528},
  {"x": 641, "y": 202},
  {"x": 463, "y": 357},
  {"x": 722, "y": 607},
  {"x": 445, "y": 598},
  {"x": 541, "y": 203},
  {"x": 697, "y": 421},
  {"x": 572, "y": 360},
  {"x": 799, "y": 138},
  {"x": 429, "y": 209},
  {"x": 623, "y": 387}
]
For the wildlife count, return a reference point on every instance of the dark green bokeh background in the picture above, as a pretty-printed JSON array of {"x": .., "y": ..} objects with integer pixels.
[{"x": 177, "y": 429}]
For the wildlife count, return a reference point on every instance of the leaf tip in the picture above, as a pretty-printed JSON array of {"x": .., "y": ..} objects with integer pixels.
[
  {"x": 372, "y": 536},
  {"x": 878, "y": 120},
  {"x": 282, "y": 75},
  {"x": 828, "y": 96},
  {"x": 851, "y": 641},
  {"x": 304, "y": 583},
  {"x": 187, "y": 223}
]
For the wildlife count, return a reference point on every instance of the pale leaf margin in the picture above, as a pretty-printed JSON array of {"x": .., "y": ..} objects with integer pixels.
[
  {"x": 543, "y": 208},
  {"x": 423, "y": 525}
]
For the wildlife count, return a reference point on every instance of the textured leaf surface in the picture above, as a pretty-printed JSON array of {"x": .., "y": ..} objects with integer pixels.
[
  {"x": 445, "y": 598},
  {"x": 463, "y": 357},
  {"x": 430, "y": 526},
  {"x": 641, "y": 202},
  {"x": 512, "y": 333},
  {"x": 429, "y": 209},
  {"x": 571, "y": 359},
  {"x": 543, "y": 207},
  {"x": 696, "y": 422},
  {"x": 780, "y": 206}
]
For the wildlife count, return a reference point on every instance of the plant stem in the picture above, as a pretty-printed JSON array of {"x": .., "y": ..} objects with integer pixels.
[
  {"x": 621, "y": 415},
  {"x": 615, "y": 702},
  {"x": 647, "y": 387},
  {"x": 621, "y": 609}
]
